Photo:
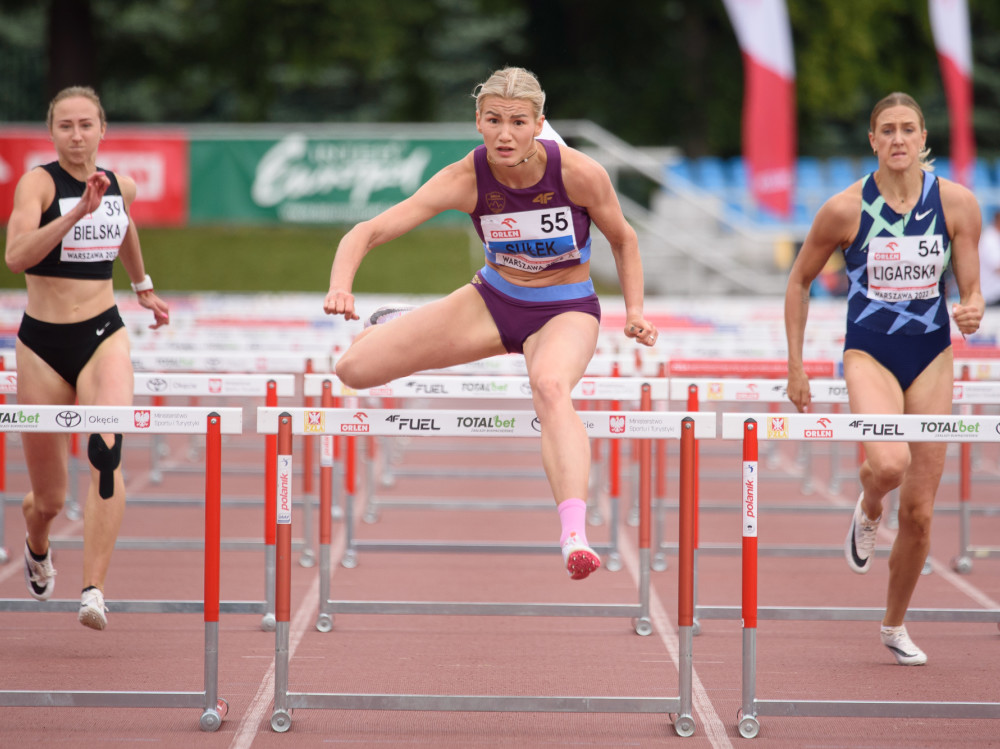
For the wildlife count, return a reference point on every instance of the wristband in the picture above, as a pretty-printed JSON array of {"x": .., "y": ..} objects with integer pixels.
[{"x": 146, "y": 284}]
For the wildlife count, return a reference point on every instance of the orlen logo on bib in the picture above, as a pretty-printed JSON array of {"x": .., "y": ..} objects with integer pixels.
[{"x": 616, "y": 424}]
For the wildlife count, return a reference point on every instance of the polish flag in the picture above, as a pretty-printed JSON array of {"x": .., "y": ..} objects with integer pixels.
[
  {"x": 950, "y": 26},
  {"x": 769, "y": 131}
]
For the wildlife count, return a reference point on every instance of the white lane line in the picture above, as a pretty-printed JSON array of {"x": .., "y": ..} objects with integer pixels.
[
  {"x": 258, "y": 711},
  {"x": 706, "y": 719}
]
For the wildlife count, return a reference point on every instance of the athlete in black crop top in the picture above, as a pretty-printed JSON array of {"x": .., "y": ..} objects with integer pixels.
[{"x": 69, "y": 222}]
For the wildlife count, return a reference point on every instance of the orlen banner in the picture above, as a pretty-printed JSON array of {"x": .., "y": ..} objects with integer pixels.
[
  {"x": 300, "y": 178},
  {"x": 156, "y": 159}
]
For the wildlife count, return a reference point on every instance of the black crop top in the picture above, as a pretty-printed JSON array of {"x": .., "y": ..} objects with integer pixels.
[{"x": 89, "y": 249}]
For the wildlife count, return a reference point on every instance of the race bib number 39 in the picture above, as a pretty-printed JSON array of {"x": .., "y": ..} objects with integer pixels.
[
  {"x": 905, "y": 268},
  {"x": 531, "y": 240},
  {"x": 97, "y": 236}
]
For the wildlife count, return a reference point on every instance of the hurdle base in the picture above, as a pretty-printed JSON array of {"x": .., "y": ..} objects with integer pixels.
[{"x": 781, "y": 613}]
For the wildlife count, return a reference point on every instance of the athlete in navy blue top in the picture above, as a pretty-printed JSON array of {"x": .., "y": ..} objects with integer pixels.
[
  {"x": 531, "y": 201},
  {"x": 898, "y": 228},
  {"x": 69, "y": 222}
]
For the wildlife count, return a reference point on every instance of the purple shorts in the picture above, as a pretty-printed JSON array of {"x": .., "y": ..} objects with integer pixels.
[{"x": 517, "y": 317}]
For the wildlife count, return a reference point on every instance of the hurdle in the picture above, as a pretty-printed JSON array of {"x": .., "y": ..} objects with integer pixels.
[
  {"x": 968, "y": 394},
  {"x": 465, "y": 387},
  {"x": 447, "y": 423},
  {"x": 751, "y": 428},
  {"x": 643, "y": 425},
  {"x": 127, "y": 419},
  {"x": 159, "y": 385}
]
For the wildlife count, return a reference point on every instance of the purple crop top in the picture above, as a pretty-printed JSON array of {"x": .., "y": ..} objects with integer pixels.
[{"x": 532, "y": 229}]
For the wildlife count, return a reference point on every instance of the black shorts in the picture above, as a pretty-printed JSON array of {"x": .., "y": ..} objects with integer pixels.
[{"x": 67, "y": 347}]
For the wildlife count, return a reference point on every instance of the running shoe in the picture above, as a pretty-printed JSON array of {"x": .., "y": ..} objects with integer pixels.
[
  {"x": 579, "y": 558},
  {"x": 859, "y": 546},
  {"x": 901, "y": 646},
  {"x": 93, "y": 612},
  {"x": 39, "y": 576},
  {"x": 384, "y": 314}
]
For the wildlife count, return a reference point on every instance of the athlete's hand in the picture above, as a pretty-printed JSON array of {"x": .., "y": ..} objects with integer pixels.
[
  {"x": 641, "y": 330},
  {"x": 798, "y": 390},
  {"x": 97, "y": 184},
  {"x": 340, "y": 302},
  {"x": 161, "y": 312},
  {"x": 967, "y": 317}
]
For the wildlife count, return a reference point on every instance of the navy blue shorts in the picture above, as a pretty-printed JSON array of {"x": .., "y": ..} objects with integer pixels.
[
  {"x": 67, "y": 347},
  {"x": 905, "y": 356},
  {"x": 517, "y": 317}
]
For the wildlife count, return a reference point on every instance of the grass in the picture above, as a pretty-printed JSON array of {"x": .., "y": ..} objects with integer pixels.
[
  {"x": 429, "y": 260},
  {"x": 298, "y": 259}
]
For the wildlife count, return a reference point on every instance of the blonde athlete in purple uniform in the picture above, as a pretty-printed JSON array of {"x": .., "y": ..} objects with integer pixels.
[{"x": 531, "y": 202}]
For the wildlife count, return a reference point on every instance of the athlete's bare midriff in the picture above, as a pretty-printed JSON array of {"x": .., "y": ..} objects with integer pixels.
[{"x": 67, "y": 300}]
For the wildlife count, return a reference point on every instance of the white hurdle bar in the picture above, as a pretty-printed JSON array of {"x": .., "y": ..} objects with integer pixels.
[
  {"x": 966, "y": 394},
  {"x": 478, "y": 387},
  {"x": 131, "y": 420},
  {"x": 643, "y": 425},
  {"x": 450, "y": 423},
  {"x": 752, "y": 428},
  {"x": 159, "y": 385}
]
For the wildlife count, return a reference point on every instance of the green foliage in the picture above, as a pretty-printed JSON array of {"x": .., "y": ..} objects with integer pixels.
[{"x": 655, "y": 73}]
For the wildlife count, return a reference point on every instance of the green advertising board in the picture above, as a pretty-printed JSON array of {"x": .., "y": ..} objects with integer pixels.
[{"x": 307, "y": 179}]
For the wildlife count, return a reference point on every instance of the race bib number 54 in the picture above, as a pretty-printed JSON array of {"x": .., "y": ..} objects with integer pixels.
[{"x": 905, "y": 268}]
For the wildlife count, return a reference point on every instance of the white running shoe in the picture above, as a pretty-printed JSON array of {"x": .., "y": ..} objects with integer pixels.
[
  {"x": 859, "y": 546},
  {"x": 39, "y": 576},
  {"x": 579, "y": 558},
  {"x": 385, "y": 314},
  {"x": 93, "y": 612},
  {"x": 901, "y": 646}
]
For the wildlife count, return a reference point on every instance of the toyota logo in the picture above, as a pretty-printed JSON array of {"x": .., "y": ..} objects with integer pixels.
[
  {"x": 156, "y": 384},
  {"x": 68, "y": 419},
  {"x": 536, "y": 424}
]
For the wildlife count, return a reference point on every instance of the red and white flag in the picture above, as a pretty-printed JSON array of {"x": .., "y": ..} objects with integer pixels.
[
  {"x": 950, "y": 26},
  {"x": 769, "y": 130}
]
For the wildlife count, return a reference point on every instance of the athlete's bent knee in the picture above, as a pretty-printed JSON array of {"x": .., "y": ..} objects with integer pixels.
[{"x": 106, "y": 460}]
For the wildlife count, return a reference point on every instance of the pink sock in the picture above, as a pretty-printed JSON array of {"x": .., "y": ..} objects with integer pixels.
[{"x": 573, "y": 516}]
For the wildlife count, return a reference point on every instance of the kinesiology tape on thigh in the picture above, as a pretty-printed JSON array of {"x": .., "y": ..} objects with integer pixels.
[{"x": 105, "y": 459}]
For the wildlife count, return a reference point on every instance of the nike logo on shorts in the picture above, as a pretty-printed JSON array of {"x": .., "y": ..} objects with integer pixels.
[{"x": 100, "y": 331}]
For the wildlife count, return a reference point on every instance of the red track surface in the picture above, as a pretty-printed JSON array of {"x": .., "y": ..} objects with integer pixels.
[{"x": 498, "y": 655}]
